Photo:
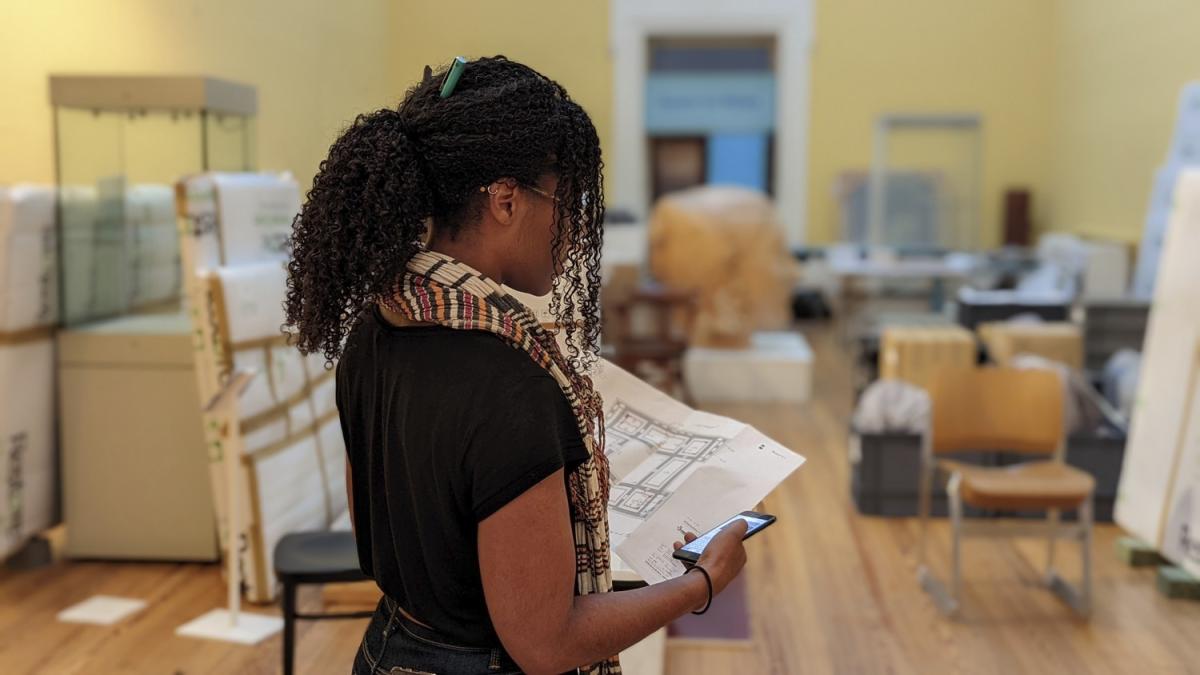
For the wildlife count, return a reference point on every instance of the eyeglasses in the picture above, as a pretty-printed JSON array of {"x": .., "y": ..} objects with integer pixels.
[
  {"x": 541, "y": 192},
  {"x": 491, "y": 189}
]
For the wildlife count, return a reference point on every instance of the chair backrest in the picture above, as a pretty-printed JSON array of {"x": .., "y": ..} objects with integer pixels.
[{"x": 996, "y": 409}]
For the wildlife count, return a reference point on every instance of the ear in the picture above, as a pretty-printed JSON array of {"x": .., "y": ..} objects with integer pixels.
[{"x": 501, "y": 200}]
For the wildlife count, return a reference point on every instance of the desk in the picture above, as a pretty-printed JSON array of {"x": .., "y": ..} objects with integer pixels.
[{"x": 937, "y": 271}]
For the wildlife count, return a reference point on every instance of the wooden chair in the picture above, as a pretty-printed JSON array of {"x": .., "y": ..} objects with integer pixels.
[
  {"x": 663, "y": 348},
  {"x": 1014, "y": 410}
]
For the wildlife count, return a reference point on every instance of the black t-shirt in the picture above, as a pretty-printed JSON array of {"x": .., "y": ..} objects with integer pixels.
[{"x": 443, "y": 427}]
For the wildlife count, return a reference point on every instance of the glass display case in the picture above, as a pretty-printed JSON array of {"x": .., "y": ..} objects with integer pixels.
[
  {"x": 134, "y": 461},
  {"x": 121, "y": 145},
  {"x": 923, "y": 187}
]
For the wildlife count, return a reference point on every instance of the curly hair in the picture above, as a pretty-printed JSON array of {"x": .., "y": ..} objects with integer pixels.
[{"x": 393, "y": 171}]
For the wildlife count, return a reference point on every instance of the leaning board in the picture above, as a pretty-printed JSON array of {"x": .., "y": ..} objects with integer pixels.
[
  {"x": 292, "y": 459},
  {"x": 1162, "y": 458}
]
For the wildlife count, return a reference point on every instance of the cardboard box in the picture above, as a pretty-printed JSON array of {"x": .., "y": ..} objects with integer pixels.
[
  {"x": 1057, "y": 341},
  {"x": 915, "y": 353}
]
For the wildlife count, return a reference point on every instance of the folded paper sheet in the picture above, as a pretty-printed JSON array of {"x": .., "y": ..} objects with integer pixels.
[{"x": 676, "y": 470}]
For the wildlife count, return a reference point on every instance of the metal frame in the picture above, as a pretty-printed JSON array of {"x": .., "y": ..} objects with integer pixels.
[
  {"x": 153, "y": 92},
  {"x": 287, "y": 607},
  {"x": 877, "y": 195},
  {"x": 948, "y": 599}
]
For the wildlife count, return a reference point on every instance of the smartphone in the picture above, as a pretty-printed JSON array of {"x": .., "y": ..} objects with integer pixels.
[{"x": 755, "y": 523}]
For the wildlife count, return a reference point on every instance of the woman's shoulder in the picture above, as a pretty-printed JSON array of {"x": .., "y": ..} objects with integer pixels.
[{"x": 476, "y": 353}]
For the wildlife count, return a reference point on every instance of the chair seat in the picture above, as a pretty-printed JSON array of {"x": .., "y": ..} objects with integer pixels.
[
  {"x": 1027, "y": 486},
  {"x": 318, "y": 556}
]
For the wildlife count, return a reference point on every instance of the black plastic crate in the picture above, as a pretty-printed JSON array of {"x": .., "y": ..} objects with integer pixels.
[
  {"x": 971, "y": 315},
  {"x": 886, "y": 481},
  {"x": 1110, "y": 326}
]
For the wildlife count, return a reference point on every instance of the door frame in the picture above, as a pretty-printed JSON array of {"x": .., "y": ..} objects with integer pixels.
[{"x": 790, "y": 22}]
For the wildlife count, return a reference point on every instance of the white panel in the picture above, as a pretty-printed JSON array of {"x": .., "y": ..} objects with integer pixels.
[{"x": 1168, "y": 361}]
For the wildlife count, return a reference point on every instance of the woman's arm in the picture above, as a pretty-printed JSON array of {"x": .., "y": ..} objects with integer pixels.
[{"x": 527, "y": 563}]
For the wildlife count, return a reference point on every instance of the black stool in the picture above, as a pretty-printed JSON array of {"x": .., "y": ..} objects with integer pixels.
[{"x": 313, "y": 558}]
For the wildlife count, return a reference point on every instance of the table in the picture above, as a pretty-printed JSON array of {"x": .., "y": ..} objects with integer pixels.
[{"x": 936, "y": 271}]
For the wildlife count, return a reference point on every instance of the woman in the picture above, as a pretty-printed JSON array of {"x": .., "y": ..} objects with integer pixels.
[{"x": 476, "y": 474}]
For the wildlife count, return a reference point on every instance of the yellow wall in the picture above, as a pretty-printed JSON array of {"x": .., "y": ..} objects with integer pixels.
[
  {"x": 316, "y": 64},
  {"x": 991, "y": 57},
  {"x": 1118, "y": 71},
  {"x": 1077, "y": 96},
  {"x": 564, "y": 40}
]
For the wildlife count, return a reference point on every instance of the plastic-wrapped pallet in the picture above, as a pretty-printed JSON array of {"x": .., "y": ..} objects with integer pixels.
[
  {"x": 1057, "y": 341},
  {"x": 915, "y": 353},
  {"x": 28, "y": 254},
  {"x": 28, "y": 311},
  {"x": 1120, "y": 380},
  {"x": 296, "y": 482},
  {"x": 726, "y": 245},
  {"x": 293, "y": 463},
  {"x": 330, "y": 443},
  {"x": 238, "y": 218}
]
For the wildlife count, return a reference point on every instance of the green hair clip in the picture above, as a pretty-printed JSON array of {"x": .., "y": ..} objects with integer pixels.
[{"x": 452, "y": 75}]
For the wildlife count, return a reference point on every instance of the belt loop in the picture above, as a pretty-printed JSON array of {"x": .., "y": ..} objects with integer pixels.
[
  {"x": 494, "y": 663},
  {"x": 391, "y": 622}
]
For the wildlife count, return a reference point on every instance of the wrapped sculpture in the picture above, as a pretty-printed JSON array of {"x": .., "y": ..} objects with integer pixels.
[{"x": 725, "y": 245}]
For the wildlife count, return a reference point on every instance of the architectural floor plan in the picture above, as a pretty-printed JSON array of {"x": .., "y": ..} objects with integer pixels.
[
  {"x": 674, "y": 470},
  {"x": 675, "y": 452}
]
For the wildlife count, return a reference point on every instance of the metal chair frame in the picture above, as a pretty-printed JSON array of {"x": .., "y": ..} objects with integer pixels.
[{"x": 948, "y": 598}]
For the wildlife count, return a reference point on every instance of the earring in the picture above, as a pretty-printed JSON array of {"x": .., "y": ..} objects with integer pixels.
[{"x": 490, "y": 189}]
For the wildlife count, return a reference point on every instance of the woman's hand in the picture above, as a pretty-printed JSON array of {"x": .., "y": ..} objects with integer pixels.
[{"x": 724, "y": 556}]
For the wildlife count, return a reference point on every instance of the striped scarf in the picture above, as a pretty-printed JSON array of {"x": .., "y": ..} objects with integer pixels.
[{"x": 441, "y": 290}]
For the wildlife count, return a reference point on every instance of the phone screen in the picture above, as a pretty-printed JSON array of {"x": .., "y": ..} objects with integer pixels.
[{"x": 753, "y": 525}]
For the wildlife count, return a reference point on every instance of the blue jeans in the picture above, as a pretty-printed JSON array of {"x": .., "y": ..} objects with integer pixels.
[{"x": 394, "y": 645}]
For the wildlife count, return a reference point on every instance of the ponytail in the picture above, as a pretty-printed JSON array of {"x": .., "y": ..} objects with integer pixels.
[
  {"x": 362, "y": 220},
  {"x": 394, "y": 171}
]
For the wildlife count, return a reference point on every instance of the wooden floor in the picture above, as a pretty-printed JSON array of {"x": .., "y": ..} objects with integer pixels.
[{"x": 830, "y": 592}]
